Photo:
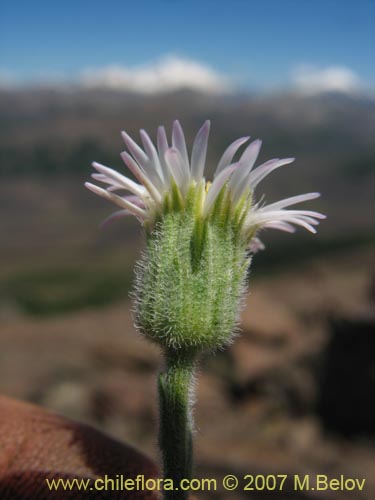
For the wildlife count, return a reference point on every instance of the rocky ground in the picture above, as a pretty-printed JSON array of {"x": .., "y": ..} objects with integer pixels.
[{"x": 291, "y": 396}]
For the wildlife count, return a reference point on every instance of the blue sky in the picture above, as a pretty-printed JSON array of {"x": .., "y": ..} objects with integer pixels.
[{"x": 259, "y": 43}]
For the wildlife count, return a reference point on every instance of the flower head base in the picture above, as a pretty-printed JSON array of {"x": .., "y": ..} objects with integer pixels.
[{"x": 191, "y": 278}]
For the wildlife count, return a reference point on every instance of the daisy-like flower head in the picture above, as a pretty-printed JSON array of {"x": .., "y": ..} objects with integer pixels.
[
  {"x": 168, "y": 178},
  {"x": 191, "y": 279}
]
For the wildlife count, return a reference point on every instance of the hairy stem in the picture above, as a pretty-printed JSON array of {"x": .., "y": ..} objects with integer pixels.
[{"x": 176, "y": 424}]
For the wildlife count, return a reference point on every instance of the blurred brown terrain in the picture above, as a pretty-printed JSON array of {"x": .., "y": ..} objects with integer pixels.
[{"x": 295, "y": 393}]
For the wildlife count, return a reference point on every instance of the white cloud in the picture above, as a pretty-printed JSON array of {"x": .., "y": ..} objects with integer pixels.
[
  {"x": 312, "y": 80},
  {"x": 170, "y": 73}
]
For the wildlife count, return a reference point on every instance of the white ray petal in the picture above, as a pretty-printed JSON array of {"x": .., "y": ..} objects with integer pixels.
[
  {"x": 265, "y": 169},
  {"x": 310, "y": 220},
  {"x": 177, "y": 167},
  {"x": 293, "y": 200},
  {"x": 256, "y": 245},
  {"x": 247, "y": 161},
  {"x": 120, "y": 179},
  {"x": 217, "y": 185},
  {"x": 178, "y": 142},
  {"x": 143, "y": 160},
  {"x": 259, "y": 219},
  {"x": 303, "y": 223},
  {"x": 311, "y": 213},
  {"x": 199, "y": 151},
  {"x": 229, "y": 153},
  {"x": 162, "y": 145},
  {"x": 282, "y": 226},
  {"x": 135, "y": 200},
  {"x": 162, "y": 141},
  {"x": 300, "y": 221},
  {"x": 116, "y": 199},
  {"x": 140, "y": 174},
  {"x": 106, "y": 180},
  {"x": 120, "y": 214},
  {"x": 152, "y": 153},
  {"x": 308, "y": 214},
  {"x": 286, "y": 215},
  {"x": 135, "y": 150},
  {"x": 250, "y": 155}
]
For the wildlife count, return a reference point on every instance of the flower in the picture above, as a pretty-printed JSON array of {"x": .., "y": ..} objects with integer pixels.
[
  {"x": 168, "y": 179},
  {"x": 191, "y": 280}
]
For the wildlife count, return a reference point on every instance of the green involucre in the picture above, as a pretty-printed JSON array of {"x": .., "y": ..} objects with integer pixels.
[{"x": 191, "y": 279}]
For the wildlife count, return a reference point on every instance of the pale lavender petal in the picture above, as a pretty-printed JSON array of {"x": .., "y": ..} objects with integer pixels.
[
  {"x": 178, "y": 142},
  {"x": 162, "y": 145},
  {"x": 135, "y": 200},
  {"x": 152, "y": 153},
  {"x": 263, "y": 170},
  {"x": 199, "y": 151},
  {"x": 101, "y": 177},
  {"x": 120, "y": 214},
  {"x": 291, "y": 201},
  {"x": 132, "y": 198},
  {"x": 120, "y": 179},
  {"x": 106, "y": 180},
  {"x": 251, "y": 153},
  {"x": 135, "y": 150},
  {"x": 300, "y": 221},
  {"x": 310, "y": 220},
  {"x": 285, "y": 215},
  {"x": 282, "y": 226},
  {"x": 114, "y": 198},
  {"x": 177, "y": 167},
  {"x": 217, "y": 185},
  {"x": 311, "y": 213},
  {"x": 140, "y": 174},
  {"x": 229, "y": 153},
  {"x": 246, "y": 161},
  {"x": 162, "y": 142},
  {"x": 303, "y": 223},
  {"x": 256, "y": 245},
  {"x": 113, "y": 186}
]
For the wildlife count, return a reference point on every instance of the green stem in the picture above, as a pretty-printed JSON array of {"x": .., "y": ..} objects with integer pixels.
[{"x": 176, "y": 423}]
